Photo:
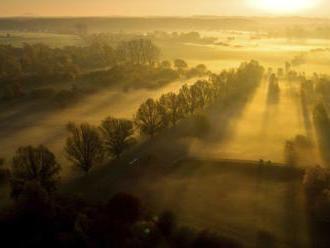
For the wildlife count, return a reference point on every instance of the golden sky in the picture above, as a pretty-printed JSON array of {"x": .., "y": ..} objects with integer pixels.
[{"x": 161, "y": 7}]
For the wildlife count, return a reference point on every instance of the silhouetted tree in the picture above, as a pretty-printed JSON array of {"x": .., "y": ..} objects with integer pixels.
[
  {"x": 202, "y": 69},
  {"x": 139, "y": 51},
  {"x": 287, "y": 67},
  {"x": 150, "y": 117},
  {"x": 165, "y": 64},
  {"x": 84, "y": 147},
  {"x": 273, "y": 89},
  {"x": 321, "y": 116},
  {"x": 117, "y": 135},
  {"x": 36, "y": 164},
  {"x": 171, "y": 104},
  {"x": 187, "y": 100},
  {"x": 273, "y": 79},
  {"x": 316, "y": 179},
  {"x": 180, "y": 65},
  {"x": 201, "y": 93}
]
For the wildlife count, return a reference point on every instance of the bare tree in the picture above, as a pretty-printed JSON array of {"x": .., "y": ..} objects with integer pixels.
[
  {"x": 187, "y": 101},
  {"x": 150, "y": 118},
  {"x": 171, "y": 104},
  {"x": 201, "y": 92},
  {"x": 117, "y": 134},
  {"x": 34, "y": 164},
  {"x": 84, "y": 147}
]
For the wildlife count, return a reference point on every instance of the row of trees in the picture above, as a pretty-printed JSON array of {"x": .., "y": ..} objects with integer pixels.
[
  {"x": 155, "y": 115},
  {"x": 88, "y": 145},
  {"x": 40, "y": 217},
  {"x": 41, "y": 59},
  {"x": 85, "y": 147}
]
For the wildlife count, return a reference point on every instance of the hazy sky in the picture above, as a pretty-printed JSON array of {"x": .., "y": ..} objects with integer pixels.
[{"x": 151, "y": 7}]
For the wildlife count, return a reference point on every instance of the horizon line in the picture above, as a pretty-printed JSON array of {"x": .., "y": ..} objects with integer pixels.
[{"x": 165, "y": 16}]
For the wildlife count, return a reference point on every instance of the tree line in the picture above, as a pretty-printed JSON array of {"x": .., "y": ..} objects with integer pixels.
[
  {"x": 88, "y": 145},
  {"x": 31, "y": 63},
  {"x": 44, "y": 60},
  {"x": 32, "y": 70},
  {"x": 35, "y": 172}
]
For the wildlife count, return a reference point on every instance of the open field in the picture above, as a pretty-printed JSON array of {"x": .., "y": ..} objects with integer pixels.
[
  {"x": 233, "y": 48},
  {"x": 51, "y": 39},
  {"x": 262, "y": 129},
  {"x": 223, "y": 166},
  {"x": 252, "y": 203},
  {"x": 259, "y": 122},
  {"x": 38, "y": 127}
]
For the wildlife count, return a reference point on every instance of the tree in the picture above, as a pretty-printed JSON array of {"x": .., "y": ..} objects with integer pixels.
[
  {"x": 187, "y": 101},
  {"x": 273, "y": 79},
  {"x": 287, "y": 67},
  {"x": 321, "y": 116},
  {"x": 171, "y": 104},
  {"x": 117, "y": 134},
  {"x": 201, "y": 92},
  {"x": 34, "y": 164},
  {"x": 84, "y": 147},
  {"x": 316, "y": 179},
  {"x": 202, "y": 69},
  {"x": 165, "y": 64},
  {"x": 150, "y": 117},
  {"x": 218, "y": 85},
  {"x": 139, "y": 51},
  {"x": 180, "y": 64}
]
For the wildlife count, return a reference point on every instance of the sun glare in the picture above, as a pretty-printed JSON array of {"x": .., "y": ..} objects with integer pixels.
[{"x": 283, "y": 6}]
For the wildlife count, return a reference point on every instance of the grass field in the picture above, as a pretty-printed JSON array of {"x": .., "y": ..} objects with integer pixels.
[
  {"x": 241, "y": 200},
  {"x": 49, "y": 129},
  {"x": 270, "y": 52},
  {"x": 52, "y": 40}
]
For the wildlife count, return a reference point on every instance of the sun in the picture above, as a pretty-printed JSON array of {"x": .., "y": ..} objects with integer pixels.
[{"x": 283, "y": 6}]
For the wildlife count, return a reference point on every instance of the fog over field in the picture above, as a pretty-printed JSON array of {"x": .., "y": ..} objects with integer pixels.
[
  {"x": 49, "y": 129},
  {"x": 206, "y": 125},
  {"x": 262, "y": 128}
]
